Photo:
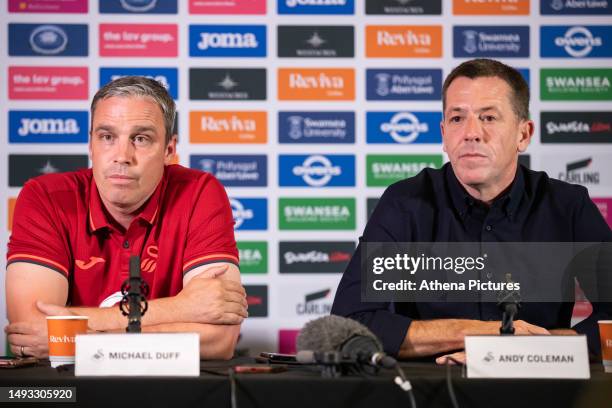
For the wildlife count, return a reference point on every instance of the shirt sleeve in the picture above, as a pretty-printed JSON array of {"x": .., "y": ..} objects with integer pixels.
[
  {"x": 389, "y": 326},
  {"x": 37, "y": 236},
  {"x": 210, "y": 236}
]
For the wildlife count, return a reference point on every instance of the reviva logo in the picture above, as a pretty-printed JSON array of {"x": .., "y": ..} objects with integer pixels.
[
  {"x": 490, "y": 7},
  {"x": 316, "y": 84},
  {"x": 138, "y": 40},
  {"x": 404, "y": 41},
  {"x": 228, "y": 127},
  {"x": 61, "y": 339}
]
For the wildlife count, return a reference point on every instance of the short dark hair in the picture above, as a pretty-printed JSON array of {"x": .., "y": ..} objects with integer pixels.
[
  {"x": 483, "y": 67},
  {"x": 139, "y": 86}
]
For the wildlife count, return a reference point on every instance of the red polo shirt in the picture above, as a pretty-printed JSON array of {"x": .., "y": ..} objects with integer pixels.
[{"x": 60, "y": 222}]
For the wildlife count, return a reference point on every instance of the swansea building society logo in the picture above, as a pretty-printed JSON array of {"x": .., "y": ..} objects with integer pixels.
[
  {"x": 253, "y": 256},
  {"x": 316, "y": 213},
  {"x": 384, "y": 170},
  {"x": 586, "y": 84},
  {"x": 48, "y": 40}
]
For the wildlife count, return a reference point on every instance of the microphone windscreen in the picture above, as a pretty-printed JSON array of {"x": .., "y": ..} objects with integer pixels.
[
  {"x": 329, "y": 333},
  {"x": 305, "y": 357}
]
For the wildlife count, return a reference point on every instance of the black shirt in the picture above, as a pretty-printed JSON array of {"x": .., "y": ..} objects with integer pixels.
[{"x": 434, "y": 207}]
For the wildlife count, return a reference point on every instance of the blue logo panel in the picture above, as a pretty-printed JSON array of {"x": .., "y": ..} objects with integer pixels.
[
  {"x": 48, "y": 40},
  {"x": 576, "y": 41},
  {"x": 315, "y": 7},
  {"x": 563, "y": 7},
  {"x": 227, "y": 41},
  {"x": 404, "y": 84},
  {"x": 491, "y": 41},
  {"x": 250, "y": 214},
  {"x": 138, "y": 6},
  {"x": 316, "y": 127},
  {"x": 316, "y": 170},
  {"x": 168, "y": 77},
  {"x": 234, "y": 170},
  {"x": 403, "y": 127},
  {"x": 48, "y": 126},
  {"x": 525, "y": 73}
]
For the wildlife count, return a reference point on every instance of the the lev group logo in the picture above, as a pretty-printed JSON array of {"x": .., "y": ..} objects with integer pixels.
[
  {"x": 316, "y": 170},
  {"x": 575, "y": 7},
  {"x": 228, "y": 127},
  {"x": 490, "y": 7},
  {"x": 403, "y": 84},
  {"x": 138, "y": 40},
  {"x": 48, "y": 83},
  {"x": 316, "y": 84},
  {"x": 227, "y": 83},
  {"x": 168, "y": 77},
  {"x": 234, "y": 170},
  {"x": 23, "y": 167},
  {"x": 314, "y": 256},
  {"x": 138, "y": 7},
  {"x": 403, "y": 127},
  {"x": 407, "y": 7},
  {"x": 227, "y": 41},
  {"x": 403, "y": 41},
  {"x": 491, "y": 41},
  {"x": 227, "y": 7},
  {"x": 576, "y": 84},
  {"x": 47, "y": 6},
  {"x": 253, "y": 256},
  {"x": 322, "y": 213},
  {"x": 315, "y": 6},
  {"x": 250, "y": 214},
  {"x": 591, "y": 170},
  {"x": 316, "y": 41},
  {"x": 576, "y": 127},
  {"x": 386, "y": 169},
  {"x": 48, "y": 126},
  {"x": 48, "y": 40},
  {"x": 576, "y": 41},
  {"x": 316, "y": 127}
]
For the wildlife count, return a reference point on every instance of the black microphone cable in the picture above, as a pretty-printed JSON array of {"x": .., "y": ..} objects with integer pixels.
[
  {"x": 405, "y": 384},
  {"x": 449, "y": 381}
]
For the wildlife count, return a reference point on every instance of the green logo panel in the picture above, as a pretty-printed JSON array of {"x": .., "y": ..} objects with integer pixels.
[
  {"x": 578, "y": 84},
  {"x": 316, "y": 213},
  {"x": 386, "y": 169},
  {"x": 253, "y": 256}
]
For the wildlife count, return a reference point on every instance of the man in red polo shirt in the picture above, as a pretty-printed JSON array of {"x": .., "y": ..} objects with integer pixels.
[{"x": 73, "y": 233}]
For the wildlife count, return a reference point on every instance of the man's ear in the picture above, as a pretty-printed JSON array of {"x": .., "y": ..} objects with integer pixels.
[
  {"x": 170, "y": 152},
  {"x": 442, "y": 133},
  {"x": 525, "y": 132}
]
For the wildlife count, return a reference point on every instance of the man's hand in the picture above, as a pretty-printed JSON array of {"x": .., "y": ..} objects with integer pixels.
[
  {"x": 207, "y": 298},
  {"x": 452, "y": 359}
]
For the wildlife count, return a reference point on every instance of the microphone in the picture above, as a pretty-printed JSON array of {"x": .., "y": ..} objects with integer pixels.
[
  {"x": 134, "y": 291},
  {"x": 509, "y": 301}
]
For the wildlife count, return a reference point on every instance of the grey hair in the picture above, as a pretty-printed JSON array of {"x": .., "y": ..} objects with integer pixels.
[{"x": 138, "y": 86}]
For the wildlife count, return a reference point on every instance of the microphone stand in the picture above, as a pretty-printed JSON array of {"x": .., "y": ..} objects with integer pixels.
[
  {"x": 509, "y": 303},
  {"x": 134, "y": 291}
]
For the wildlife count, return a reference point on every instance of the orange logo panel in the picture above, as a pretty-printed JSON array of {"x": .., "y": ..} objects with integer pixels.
[
  {"x": 490, "y": 7},
  {"x": 11, "y": 209},
  {"x": 404, "y": 41},
  {"x": 317, "y": 84},
  {"x": 228, "y": 127}
]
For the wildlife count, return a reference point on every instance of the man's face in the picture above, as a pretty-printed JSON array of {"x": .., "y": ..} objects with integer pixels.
[
  {"x": 128, "y": 151},
  {"x": 481, "y": 133}
]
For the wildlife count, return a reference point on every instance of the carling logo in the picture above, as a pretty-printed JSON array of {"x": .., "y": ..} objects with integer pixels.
[
  {"x": 316, "y": 127},
  {"x": 576, "y": 127},
  {"x": 314, "y": 256},
  {"x": 575, "y": 7},
  {"x": 576, "y": 41},
  {"x": 576, "y": 84},
  {"x": 227, "y": 7},
  {"x": 315, "y": 6},
  {"x": 250, "y": 213},
  {"x": 47, "y": 6},
  {"x": 23, "y": 167},
  {"x": 48, "y": 40},
  {"x": 48, "y": 83},
  {"x": 316, "y": 41},
  {"x": 228, "y": 127},
  {"x": 138, "y": 6},
  {"x": 227, "y": 41},
  {"x": 323, "y": 213},
  {"x": 414, "y": 7},
  {"x": 168, "y": 77},
  {"x": 491, "y": 41},
  {"x": 404, "y": 84},
  {"x": 403, "y": 41},
  {"x": 227, "y": 83},
  {"x": 403, "y": 127},
  {"x": 48, "y": 126},
  {"x": 234, "y": 170},
  {"x": 386, "y": 169},
  {"x": 316, "y": 170},
  {"x": 593, "y": 170},
  {"x": 138, "y": 40},
  {"x": 316, "y": 84}
]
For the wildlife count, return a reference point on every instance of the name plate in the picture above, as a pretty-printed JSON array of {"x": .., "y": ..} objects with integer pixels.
[
  {"x": 527, "y": 357},
  {"x": 138, "y": 354}
]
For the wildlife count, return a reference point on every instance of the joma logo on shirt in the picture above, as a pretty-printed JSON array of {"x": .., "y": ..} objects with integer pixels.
[{"x": 93, "y": 260}]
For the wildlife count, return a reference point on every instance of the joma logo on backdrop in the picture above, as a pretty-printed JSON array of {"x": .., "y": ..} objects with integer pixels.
[
  {"x": 48, "y": 126},
  {"x": 227, "y": 41}
]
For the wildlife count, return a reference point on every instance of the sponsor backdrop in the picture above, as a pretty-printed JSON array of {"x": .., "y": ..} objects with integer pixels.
[{"x": 304, "y": 109}]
